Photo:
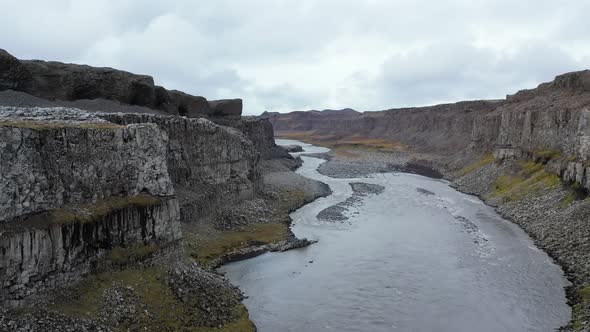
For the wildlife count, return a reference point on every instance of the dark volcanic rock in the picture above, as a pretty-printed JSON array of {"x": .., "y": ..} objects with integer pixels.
[
  {"x": 224, "y": 107},
  {"x": 55, "y": 80},
  {"x": 62, "y": 82},
  {"x": 13, "y": 75},
  {"x": 188, "y": 105}
]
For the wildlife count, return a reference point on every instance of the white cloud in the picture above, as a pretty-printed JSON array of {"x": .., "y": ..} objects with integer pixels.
[{"x": 291, "y": 55}]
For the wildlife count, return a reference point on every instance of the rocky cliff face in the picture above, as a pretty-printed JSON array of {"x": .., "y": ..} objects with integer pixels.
[
  {"x": 260, "y": 131},
  {"x": 73, "y": 186},
  {"x": 43, "y": 251},
  {"x": 549, "y": 120},
  {"x": 46, "y": 165},
  {"x": 440, "y": 127},
  {"x": 209, "y": 163}
]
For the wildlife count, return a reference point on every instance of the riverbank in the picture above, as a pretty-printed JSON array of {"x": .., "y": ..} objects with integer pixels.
[
  {"x": 393, "y": 233},
  {"x": 119, "y": 197},
  {"x": 554, "y": 214},
  {"x": 257, "y": 226},
  {"x": 155, "y": 288}
]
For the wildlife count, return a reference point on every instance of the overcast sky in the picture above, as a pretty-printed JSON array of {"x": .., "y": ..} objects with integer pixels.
[{"x": 288, "y": 55}]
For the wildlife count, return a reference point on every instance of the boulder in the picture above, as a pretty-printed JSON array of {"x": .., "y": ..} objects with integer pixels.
[
  {"x": 190, "y": 106},
  {"x": 226, "y": 107}
]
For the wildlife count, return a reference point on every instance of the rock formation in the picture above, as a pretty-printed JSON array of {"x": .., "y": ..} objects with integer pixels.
[
  {"x": 226, "y": 107},
  {"x": 69, "y": 82}
]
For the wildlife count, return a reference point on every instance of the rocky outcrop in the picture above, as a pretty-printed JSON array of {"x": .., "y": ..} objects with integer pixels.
[
  {"x": 42, "y": 252},
  {"x": 70, "y": 82},
  {"x": 74, "y": 186},
  {"x": 186, "y": 105},
  {"x": 55, "y": 80},
  {"x": 261, "y": 132},
  {"x": 46, "y": 165},
  {"x": 209, "y": 164},
  {"x": 226, "y": 107}
]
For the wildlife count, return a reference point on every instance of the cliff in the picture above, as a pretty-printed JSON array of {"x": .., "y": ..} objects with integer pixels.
[{"x": 552, "y": 118}]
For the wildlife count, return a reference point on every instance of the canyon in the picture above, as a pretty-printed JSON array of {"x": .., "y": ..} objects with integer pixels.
[
  {"x": 527, "y": 155},
  {"x": 120, "y": 197}
]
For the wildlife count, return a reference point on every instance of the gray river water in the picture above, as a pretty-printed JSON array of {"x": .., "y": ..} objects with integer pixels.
[{"x": 406, "y": 260}]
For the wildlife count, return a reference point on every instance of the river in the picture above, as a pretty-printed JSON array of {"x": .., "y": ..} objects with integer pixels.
[{"x": 420, "y": 256}]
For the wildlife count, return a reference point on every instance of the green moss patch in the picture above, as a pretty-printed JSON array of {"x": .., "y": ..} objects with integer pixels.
[
  {"x": 121, "y": 256},
  {"x": 255, "y": 234},
  {"x": 158, "y": 309},
  {"x": 580, "y": 317},
  {"x": 529, "y": 177},
  {"x": 341, "y": 144},
  {"x": 488, "y": 159},
  {"x": 567, "y": 200},
  {"x": 89, "y": 213},
  {"x": 544, "y": 156}
]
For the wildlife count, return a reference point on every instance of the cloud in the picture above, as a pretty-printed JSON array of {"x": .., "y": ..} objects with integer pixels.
[
  {"x": 451, "y": 72},
  {"x": 290, "y": 55}
]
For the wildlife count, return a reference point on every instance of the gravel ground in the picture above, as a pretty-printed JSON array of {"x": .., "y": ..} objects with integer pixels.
[
  {"x": 359, "y": 163},
  {"x": 47, "y": 321},
  {"x": 21, "y": 99},
  {"x": 340, "y": 212}
]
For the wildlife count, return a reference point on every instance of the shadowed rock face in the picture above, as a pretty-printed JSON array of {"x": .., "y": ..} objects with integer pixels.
[
  {"x": 55, "y": 80},
  {"x": 187, "y": 105},
  {"x": 44, "y": 255},
  {"x": 69, "y": 82}
]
